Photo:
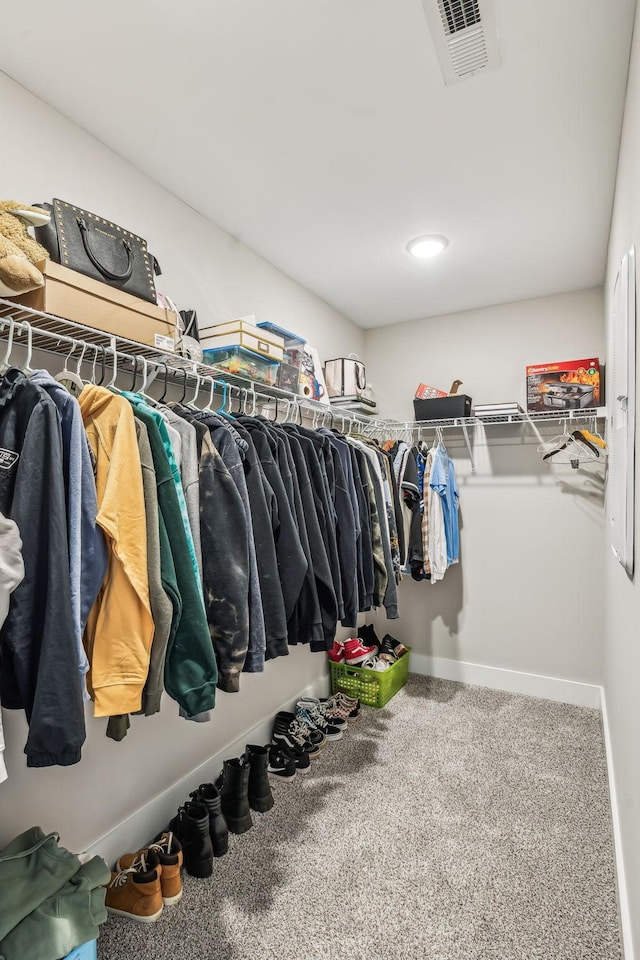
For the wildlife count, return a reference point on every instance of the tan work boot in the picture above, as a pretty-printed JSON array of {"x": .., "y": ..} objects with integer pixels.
[
  {"x": 168, "y": 850},
  {"x": 135, "y": 892}
]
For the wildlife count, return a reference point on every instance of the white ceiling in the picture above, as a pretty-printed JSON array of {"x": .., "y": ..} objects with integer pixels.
[{"x": 321, "y": 134}]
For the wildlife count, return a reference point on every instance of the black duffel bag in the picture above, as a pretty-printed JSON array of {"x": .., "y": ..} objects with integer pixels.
[{"x": 98, "y": 248}]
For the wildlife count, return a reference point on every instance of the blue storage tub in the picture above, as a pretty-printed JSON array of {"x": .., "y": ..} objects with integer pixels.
[{"x": 86, "y": 951}]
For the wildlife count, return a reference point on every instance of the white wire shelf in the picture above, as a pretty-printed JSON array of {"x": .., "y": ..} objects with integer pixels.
[
  {"x": 56, "y": 335},
  {"x": 555, "y": 415}
]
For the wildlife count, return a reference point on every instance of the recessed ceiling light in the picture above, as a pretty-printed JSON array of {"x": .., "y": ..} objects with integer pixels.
[{"x": 426, "y": 247}]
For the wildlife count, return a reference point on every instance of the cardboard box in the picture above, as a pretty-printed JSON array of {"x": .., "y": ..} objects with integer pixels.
[
  {"x": 565, "y": 385},
  {"x": 241, "y": 333},
  {"x": 443, "y": 408},
  {"x": 73, "y": 296},
  {"x": 425, "y": 392}
]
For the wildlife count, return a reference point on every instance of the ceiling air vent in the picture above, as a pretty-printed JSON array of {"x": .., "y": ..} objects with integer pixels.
[{"x": 465, "y": 37}]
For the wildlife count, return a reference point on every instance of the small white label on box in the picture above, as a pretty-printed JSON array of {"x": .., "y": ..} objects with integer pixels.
[{"x": 165, "y": 343}]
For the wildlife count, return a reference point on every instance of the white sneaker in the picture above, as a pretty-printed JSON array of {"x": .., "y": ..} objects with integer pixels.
[{"x": 375, "y": 663}]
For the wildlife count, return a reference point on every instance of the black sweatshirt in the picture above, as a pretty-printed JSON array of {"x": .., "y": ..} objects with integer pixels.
[
  {"x": 291, "y": 558},
  {"x": 263, "y": 514},
  {"x": 320, "y": 472},
  {"x": 319, "y": 557},
  {"x": 38, "y": 655}
]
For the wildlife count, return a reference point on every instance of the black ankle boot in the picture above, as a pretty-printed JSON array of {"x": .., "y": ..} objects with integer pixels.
[
  {"x": 191, "y": 827},
  {"x": 233, "y": 784},
  {"x": 208, "y": 795},
  {"x": 260, "y": 796}
]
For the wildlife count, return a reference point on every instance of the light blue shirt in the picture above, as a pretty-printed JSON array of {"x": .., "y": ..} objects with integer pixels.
[{"x": 443, "y": 481}]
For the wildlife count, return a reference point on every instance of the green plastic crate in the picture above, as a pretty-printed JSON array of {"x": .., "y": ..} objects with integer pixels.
[{"x": 370, "y": 687}]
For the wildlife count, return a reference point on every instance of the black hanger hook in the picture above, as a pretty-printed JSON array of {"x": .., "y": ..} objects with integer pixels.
[
  {"x": 135, "y": 375},
  {"x": 166, "y": 379},
  {"x": 184, "y": 386}
]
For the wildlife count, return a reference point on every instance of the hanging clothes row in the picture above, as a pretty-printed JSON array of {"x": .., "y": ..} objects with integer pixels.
[
  {"x": 169, "y": 547},
  {"x": 426, "y": 480}
]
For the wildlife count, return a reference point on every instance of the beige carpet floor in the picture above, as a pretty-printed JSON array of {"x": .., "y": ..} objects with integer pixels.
[{"x": 457, "y": 823}]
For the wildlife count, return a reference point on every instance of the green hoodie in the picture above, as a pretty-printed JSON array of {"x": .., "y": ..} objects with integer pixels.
[
  {"x": 190, "y": 671},
  {"x": 49, "y": 900}
]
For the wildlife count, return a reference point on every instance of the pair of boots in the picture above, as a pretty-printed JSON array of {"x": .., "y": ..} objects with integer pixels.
[
  {"x": 244, "y": 786},
  {"x": 202, "y": 830},
  {"x": 202, "y": 825}
]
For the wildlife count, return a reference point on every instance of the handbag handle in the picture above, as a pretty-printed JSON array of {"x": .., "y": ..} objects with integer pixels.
[{"x": 84, "y": 233}]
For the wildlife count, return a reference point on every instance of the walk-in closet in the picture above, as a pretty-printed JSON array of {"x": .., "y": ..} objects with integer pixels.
[{"x": 318, "y": 580}]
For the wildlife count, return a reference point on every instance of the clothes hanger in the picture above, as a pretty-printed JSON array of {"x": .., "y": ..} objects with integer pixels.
[
  {"x": 209, "y": 406},
  {"x": 70, "y": 381},
  {"x": 6, "y": 362},
  {"x": 192, "y": 403},
  {"x": 227, "y": 394},
  {"x": 166, "y": 380},
  {"x": 184, "y": 384},
  {"x": 93, "y": 365},
  {"x": 593, "y": 434},
  {"x": 112, "y": 383},
  {"x": 26, "y": 366},
  {"x": 132, "y": 388},
  {"x": 145, "y": 380},
  {"x": 580, "y": 436},
  {"x": 555, "y": 443},
  {"x": 103, "y": 361},
  {"x": 572, "y": 452}
]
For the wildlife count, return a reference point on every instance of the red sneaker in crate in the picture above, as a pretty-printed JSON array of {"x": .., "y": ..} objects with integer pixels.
[
  {"x": 337, "y": 652},
  {"x": 356, "y": 652}
]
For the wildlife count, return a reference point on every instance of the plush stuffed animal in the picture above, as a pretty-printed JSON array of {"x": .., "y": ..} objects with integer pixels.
[{"x": 18, "y": 251}]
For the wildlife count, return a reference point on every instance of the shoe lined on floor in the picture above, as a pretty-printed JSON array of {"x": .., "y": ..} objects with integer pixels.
[
  {"x": 312, "y": 717},
  {"x": 329, "y": 712},
  {"x": 355, "y": 652},
  {"x": 191, "y": 826},
  {"x": 300, "y": 758},
  {"x": 208, "y": 795},
  {"x": 233, "y": 784},
  {"x": 168, "y": 850},
  {"x": 259, "y": 788},
  {"x": 342, "y": 697},
  {"x": 135, "y": 891},
  {"x": 293, "y": 735},
  {"x": 311, "y": 733},
  {"x": 338, "y": 708},
  {"x": 280, "y": 765}
]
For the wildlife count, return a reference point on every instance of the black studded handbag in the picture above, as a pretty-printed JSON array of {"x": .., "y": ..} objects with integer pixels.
[{"x": 99, "y": 248}]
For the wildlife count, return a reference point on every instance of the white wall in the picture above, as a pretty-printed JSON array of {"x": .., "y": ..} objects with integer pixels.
[
  {"x": 203, "y": 268},
  {"x": 528, "y": 593},
  {"x": 622, "y": 645}
]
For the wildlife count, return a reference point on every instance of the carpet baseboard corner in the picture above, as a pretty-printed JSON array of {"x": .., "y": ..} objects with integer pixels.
[
  {"x": 512, "y": 681},
  {"x": 621, "y": 882},
  {"x": 149, "y": 819}
]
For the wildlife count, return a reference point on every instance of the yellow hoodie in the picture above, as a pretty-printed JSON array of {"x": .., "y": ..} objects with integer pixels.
[{"x": 120, "y": 626}]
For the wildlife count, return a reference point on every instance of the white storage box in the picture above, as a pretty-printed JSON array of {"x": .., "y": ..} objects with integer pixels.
[{"x": 241, "y": 333}]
